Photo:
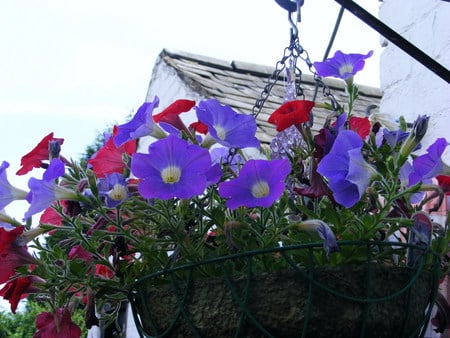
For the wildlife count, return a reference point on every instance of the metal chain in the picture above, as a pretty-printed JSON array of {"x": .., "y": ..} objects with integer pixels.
[{"x": 294, "y": 52}]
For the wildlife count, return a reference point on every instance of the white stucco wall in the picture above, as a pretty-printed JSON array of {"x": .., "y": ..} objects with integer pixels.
[{"x": 409, "y": 88}]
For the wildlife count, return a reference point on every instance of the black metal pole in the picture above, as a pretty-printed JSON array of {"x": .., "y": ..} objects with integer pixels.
[{"x": 396, "y": 38}]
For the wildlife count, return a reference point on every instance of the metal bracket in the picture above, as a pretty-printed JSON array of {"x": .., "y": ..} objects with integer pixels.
[{"x": 396, "y": 38}]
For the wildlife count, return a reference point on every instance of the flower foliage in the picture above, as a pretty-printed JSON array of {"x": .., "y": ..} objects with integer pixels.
[{"x": 208, "y": 189}]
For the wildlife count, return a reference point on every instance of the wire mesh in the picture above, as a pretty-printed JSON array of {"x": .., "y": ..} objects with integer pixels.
[{"x": 370, "y": 299}]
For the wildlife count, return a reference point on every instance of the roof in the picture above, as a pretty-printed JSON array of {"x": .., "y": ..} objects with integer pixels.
[{"x": 239, "y": 84}]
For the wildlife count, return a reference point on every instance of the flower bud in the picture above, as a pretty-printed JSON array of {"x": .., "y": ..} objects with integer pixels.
[
  {"x": 418, "y": 131},
  {"x": 54, "y": 148}
]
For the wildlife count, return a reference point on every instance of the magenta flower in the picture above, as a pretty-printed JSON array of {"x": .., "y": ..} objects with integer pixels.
[
  {"x": 140, "y": 125},
  {"x": 173, "y": 168},
  {"x": 8, "y": 193},
  {"x": 347, "y": 172},
  {"x": 260, "y": 183},
  {"x": 113, "y": 188},
  {"x": 44, "y": 192},
  {"x": 430, "y": 164},
  {"x": 58, "y": 324},
  {"x": 227, "y": 127},
  {"x": 12, "y": 253},
  {"x": 341, "y": 65},
  {"x": 19, "y": 288}
]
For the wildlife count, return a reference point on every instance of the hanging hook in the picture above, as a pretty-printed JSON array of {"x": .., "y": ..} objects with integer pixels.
[
  {"x": 291, "y": 6},
  {"x": 294, "y": 29}
]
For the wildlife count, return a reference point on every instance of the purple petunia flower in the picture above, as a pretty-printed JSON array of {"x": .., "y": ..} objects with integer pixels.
[
  {"x": 113, "y": 188},
  {"x": 140, "y": 125},
  {"x": 429, "y": 165},
  {"x": 395, "y": 137},
  {"x": 173, "y": 168},
  {"x": 323, "y": 230},
  {"x": 227, "y": 127},
  {"x": 341, "y": 65},
  {"x": 8, "y": 193},
  {"x": 347, "y": 172},
  {"x": 44, "y": 192},
  {"x": 260, "y": 183}
]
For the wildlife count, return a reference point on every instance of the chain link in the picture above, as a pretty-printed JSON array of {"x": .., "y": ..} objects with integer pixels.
[{"x": 292, "y": 53}]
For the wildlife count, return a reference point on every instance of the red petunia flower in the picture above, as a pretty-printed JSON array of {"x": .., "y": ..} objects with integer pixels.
[
  {"x": 291, "y": 113},
  {"x": 361, "y": 125},
  {"x": 12, "y": 255},
  {"x": 109, "y": 158},
  {"x": 50, "y": 216},
  {"x": 444, "y": 183},
  {"x": 18, "y": 288},
  {"x": 103, "y": 271},
  {"x": 199, "y": 127},
  {"x": 171, "y": 115},
  {"x": 35, "y": 157},
  {"x": 54, "y": 325}
]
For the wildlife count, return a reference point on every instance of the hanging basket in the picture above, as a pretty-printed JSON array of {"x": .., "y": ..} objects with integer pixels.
[{"x": 371, "y": 299}]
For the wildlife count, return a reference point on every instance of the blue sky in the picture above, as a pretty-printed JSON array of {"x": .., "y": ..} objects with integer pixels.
[{"x": 73, "y": 67}]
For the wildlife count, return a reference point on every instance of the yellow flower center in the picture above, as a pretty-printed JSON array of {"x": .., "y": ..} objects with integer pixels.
[
  {"x": 221, "y": 133},
  {"x": 346, "y": 69},
  {"x": 118, "y": 192},
  {"x": 260, "y": 189},
  {"x": 171, "y": 174}
]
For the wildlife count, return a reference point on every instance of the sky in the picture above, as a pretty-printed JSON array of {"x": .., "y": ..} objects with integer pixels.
[{"x": 76, "y": 67}]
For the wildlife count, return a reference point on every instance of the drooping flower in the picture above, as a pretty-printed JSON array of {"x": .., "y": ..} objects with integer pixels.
[
  {"x": 140, "y": 125},
  {"x": 8, "y": 193},
  {"x": 12, "y": 254},
  {"x": 341, "y": 65},
  {"x": 291, "y": 113},
  {"x": 113, "y": 188},
  {"x": 360, "y": 125},
  {"x": 317, "y": 186},
  {"x": 430, "y": 164},
  {"x": 46, "y": 191},
  {"x": 260, "y": 183},
  {"x": 347, "y": 172},
  {"x": 323, "y": 230},
  {"x": 58, "y": 324},
  {"x": 39, "y": 153},
  {"x": 171, "y": 115},
  {"x": 172, "y": 168},
  {"x": 109, "y": 158},
  {"x": 19, "y": 288},
  {"x": 227, "y": 127}
]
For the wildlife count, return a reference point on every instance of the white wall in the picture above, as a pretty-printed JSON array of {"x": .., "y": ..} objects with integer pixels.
[{"x": 409, "y": 88}]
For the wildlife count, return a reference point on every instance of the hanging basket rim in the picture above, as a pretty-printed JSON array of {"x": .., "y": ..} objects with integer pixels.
[{"x": 425, "y": 251}]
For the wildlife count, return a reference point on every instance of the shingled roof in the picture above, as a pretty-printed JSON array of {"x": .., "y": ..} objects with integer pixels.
[{"x": 239, "y": 84}]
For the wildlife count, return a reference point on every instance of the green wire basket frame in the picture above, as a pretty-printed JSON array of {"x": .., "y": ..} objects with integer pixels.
[{"x": 428, "y": 262}]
